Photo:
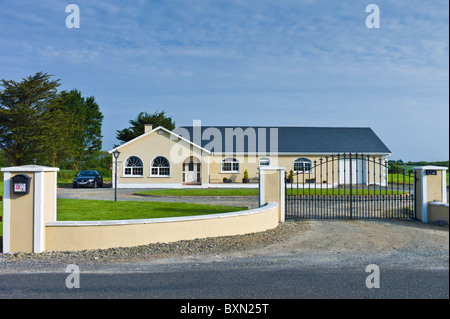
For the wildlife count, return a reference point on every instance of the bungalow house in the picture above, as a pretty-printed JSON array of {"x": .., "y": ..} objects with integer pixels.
[{"x": 219, "y": 156}]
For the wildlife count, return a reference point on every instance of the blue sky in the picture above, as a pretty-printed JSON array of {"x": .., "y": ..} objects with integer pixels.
[{"x": 236, "y": 62}]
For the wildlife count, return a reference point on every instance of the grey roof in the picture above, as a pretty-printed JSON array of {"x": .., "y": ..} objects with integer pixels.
[{"x": 301, "y": 140}]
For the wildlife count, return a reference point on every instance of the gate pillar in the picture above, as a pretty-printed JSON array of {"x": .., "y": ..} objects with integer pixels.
[
  {"x": 272, "y": 188},
  {"x": 430, "y": 186},
  {"x": 29, "y": 201}
]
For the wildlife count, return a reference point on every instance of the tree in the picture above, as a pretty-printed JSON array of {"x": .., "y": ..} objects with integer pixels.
[
  {"x": 86, "y": 123},
  {"x": 37, "y": 122},
  {"x": 138, "y": 125},
  {"x": 22, "y": 107},
  {"x": 395, "y": 168},
  {"x": 55, "y": 143}
]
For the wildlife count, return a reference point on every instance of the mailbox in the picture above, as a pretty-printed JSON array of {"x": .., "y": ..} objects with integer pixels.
[{"x": 21, "y": 184}]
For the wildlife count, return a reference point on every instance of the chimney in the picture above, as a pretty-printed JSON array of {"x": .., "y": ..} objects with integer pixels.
[{"x": 147, "y": 128}]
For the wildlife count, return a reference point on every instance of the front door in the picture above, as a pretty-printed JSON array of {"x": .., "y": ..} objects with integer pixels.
[{"x": 191, "y": 173}]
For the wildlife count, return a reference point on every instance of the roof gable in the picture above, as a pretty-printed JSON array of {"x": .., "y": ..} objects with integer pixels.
[{"x": 159, "y": 128}]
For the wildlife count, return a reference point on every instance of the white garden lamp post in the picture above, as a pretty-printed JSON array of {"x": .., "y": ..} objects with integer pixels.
[{"x": 116, "y": 154}]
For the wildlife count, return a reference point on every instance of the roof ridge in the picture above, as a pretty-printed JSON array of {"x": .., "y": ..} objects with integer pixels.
[{"x": 319, "y": 127}]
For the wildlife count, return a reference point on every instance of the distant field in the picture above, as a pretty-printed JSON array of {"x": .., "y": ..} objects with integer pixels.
[
  {"x": 407, "y": 179},
  {"x": 409, "y": 167},
  {"x": 400, "y": 178}
]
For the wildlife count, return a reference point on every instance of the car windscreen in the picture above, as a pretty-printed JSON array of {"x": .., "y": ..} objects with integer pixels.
[{"x": 87, "y": 173}]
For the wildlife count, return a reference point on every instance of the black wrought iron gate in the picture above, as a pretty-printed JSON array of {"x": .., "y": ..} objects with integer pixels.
[{"x": 349, "y": 186}]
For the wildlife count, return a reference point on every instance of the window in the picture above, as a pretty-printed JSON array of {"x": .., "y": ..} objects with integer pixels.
[
  {"x": 302, "y": 165},
  {"x": 160, "y": 167},
  {"x": 264, "y": 162},
  {"x": 230, "y": 165},
  {"x": 134, "y": 166}
]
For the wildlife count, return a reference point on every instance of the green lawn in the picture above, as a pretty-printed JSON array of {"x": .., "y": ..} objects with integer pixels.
[
  {"x": 400, "y": 178},
  {"x": 79, "y": 209}
]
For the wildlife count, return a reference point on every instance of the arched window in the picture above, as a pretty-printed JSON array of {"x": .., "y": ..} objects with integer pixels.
[
  {"x": 302, "y": 165},
  {"x": 160, "y": 167},
  {"x": 230, "y": 165},
  {"x": 134, "y": 166}
]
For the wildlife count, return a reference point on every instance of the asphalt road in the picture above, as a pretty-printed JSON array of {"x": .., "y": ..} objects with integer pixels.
[
  {"x": 237, "y": 284},
  {"x": 260, "y": 277}
]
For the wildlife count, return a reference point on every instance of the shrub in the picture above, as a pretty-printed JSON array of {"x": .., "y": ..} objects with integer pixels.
[{"x": 291, "y": 175}]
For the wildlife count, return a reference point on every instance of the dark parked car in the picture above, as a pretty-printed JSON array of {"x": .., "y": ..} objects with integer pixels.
[{"x": 91, "y": 178}]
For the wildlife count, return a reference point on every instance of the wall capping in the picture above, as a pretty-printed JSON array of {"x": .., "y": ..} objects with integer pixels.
[
  {"x": 262, "y": 209},
  {"x": 30, "y": 168},
  {"x": 439, "y": 204}
]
